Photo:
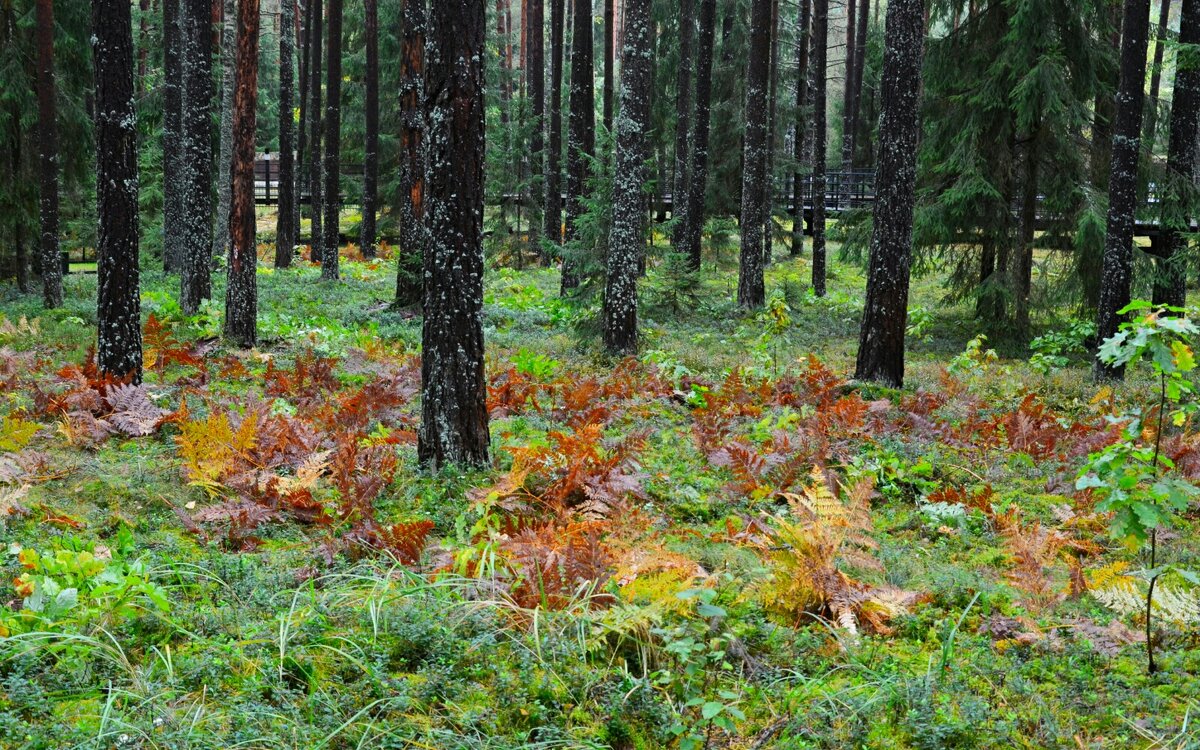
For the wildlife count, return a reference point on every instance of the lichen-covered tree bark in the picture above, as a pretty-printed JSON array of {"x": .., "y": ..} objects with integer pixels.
[
  {"x": 241, "y": 293},
  {"x": 610, "y": 53},
  {"x": 173, "y": 188},
  {"x": 803, "y": 31},
  {"x": 118, "y": 305},
  {"x": 854, "y": 84},
  {"x": 769, "y": 170},
  {"x": 195, "y": 284},
  {"x": 412, "y": 154},
  {"x": 694, "y": 211},
  {"x": 454, "y": 418},
  {"x": 305, "y": 13},
  {"x": 751, "y": 291},
  {"x": 552, "y": 218},
  {"x": 316, "y": 164},
  {"x": 285, "y": 226},
  {"x": 851, "y": 7},
  {"x": 1156, "y": 70},
  {"x": 366, "y": 236},
  {"x": 52, "y": 294},
  {"x": 885, "y": 315},
  {"x": 535, "y": 76},
  {"x": 1171, "y": 282},
  {"x": 818, "y": 63},
  {"x": 581, "y": 130},
  {"x": 333, "y": 143},
  {"x": 683, "y": 117},
  {"x": 629, "y": 209},
  {"x": 220, "y": 245},
  {"x": 1117, "y": 271}
]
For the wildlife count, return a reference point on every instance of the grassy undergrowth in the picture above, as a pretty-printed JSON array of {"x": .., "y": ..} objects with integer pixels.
[{"x": 725, "y": 544}]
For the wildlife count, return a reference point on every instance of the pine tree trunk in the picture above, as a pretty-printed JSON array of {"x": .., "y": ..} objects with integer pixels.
[
  {"x": 316, "y": 166},
  {"x": 751, "y": 290},
  {"x": 220, "y": 245},
  {"x": 366, "y": 238},
  {"x": 454, "y": 418},
  {"x": 695, "y": 210},
  {"x": 535, "y": 77},
  {"x": 683, "y": 113},
  {"x": 196, "y": 146},
  {"x": 285, "y": 226},
  {"x": 302, "y": 123},
  {"x": 847, "y": 80},
  {"x": 552, "y": 219},
  {"x": 610, "y": 23},
  {"x": 819, "y": 60},
  {"x": 412, "y": 154},
  {"x": 1117, "y": 271},
  {"x": 803, "y": 44},
  {"x": 52, "y": 292},
  {"x": 241, "y": 293},
  {"x": 172, "y": 138},
  {"x": 581, "y": 135},
  {"x": 118, "y": 304},
  {"x": 1171, "y": 280},
  {"x": 772, "y": 107},
  {"x": 333, "y": 143},
  {"x": 143, "y": 44},
  {"x": 855, "y": 83},
  {"x": 1160, "y": 47},
  {"x": 885, "y": 315},
  {"x": 628, "y": 212}
]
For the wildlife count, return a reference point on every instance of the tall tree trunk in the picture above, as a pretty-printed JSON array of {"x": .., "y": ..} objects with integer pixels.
[
  {"x": 412, "y": 154},
  {"x": 316, "y": 166},
  {"x": 366, "y": 238},
  {"x": 286, "y": 230},
  {"x": 695, "y": 210},
  {"x": 819, "y": 60},
  {"x": 610, "y": 30},
  {"x": 803, "y": 43},
  {"x": 302, "y": 124},
  {"x": 143, "y": 44},
  {"x": 552, "y": 219},
  {"x": 52, "y": 293},
  {"x": 847, "y": 80},
  {"x": 1160, "y": 47},
  {"x": 885, "y": 314},
  {"x": 683, "y": 113},
  {"x": 772, "y": 106},
  {"x": 855, "y": 97},
  {"x": 629, "y": 210},
  {"x": 1089, "y": 256},
  {"x": 581, "y": 135},
  {"x": 196, "y": 145},
  {"x": 751, "y": 290},
  {"x": 173, "y": 189},
  {"x": 454, "y": 418},
  {"x": 1122, "y": 181},
  {"x": 118, "y": 304},
  {"x": 535, "y": 77},
  {"x": 241, "y": 293},
  {"x": 220, "y": 245},
  {"x": 333, "y": 143},
  {"x": 1171, "y": 281}
]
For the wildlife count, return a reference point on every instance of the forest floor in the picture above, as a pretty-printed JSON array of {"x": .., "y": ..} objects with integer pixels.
[{"x": 724, "y": 544}]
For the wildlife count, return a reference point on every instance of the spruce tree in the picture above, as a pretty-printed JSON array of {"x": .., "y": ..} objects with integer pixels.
[
  {"x": 581, "y": 130},
  {"x": 172, "y": 129},
  {"x": 683, "y": 114},
  {"x": 751, "y": 290},
  {"x": 366, "y": 237},
  {"x": 316, "y": 162},
  {"x": 552, "y": 216},
  {"x": 818, "y": 62},
  {"x": 694, "y": 212},
  {"x": 196, "y": 158},
  {"x": 803, "y": 32}
]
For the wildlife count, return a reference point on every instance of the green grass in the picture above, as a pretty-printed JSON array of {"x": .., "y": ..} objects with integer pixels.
[{"x": 280, "y": 648}]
